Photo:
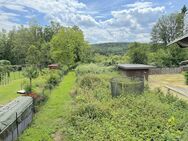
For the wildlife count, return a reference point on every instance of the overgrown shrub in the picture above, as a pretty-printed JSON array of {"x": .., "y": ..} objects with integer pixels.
[
  {"x": 93, "y": 68},
  {"x": 52, "y": 81},
  {"x": 186, "y": 77},
  {"x": 89, "y": 81},
  {"x": 94, "y": 115},
  {"x": 28, "y": 88}
]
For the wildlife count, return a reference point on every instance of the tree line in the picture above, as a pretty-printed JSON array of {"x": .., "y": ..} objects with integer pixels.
[
  {"x": 42, "y": 45},
  {"x": 167, "y": 28}
]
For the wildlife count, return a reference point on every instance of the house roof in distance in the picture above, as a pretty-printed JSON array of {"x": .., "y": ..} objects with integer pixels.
[
  {"x": 182, "y": 41},
  {"x": 134, "y": 66}
]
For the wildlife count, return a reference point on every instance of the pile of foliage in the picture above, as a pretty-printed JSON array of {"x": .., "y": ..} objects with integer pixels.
[{"x": 95, "y": 115}]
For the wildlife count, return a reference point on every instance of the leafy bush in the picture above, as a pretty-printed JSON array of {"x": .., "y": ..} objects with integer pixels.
[
  {"x": 150, "y": 116},
  {"x": 28, "y": 88},
  {"x": 52, "y": 81},
  {"x": 186, "y": 77},
  {"x": 89, "y": 81},
  {"x": 92, "y": 68}
]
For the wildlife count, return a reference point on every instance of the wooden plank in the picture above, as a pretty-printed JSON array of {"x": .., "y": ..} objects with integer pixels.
[{"x": 177, "y": 90}]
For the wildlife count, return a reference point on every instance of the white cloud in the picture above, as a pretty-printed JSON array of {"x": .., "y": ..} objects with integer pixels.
[
  {"x": 132, "y": 23},
  {"x": 6, "y": 20}
]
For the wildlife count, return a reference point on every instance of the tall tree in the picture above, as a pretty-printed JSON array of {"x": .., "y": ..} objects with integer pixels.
[
  {"x": 137, "y": 54},
  {"x": 31, "y": 73},
  {"x": 33, "y": 55},
  {"x": 67, "y": 46},
  {"x": 167, "y": 29}
]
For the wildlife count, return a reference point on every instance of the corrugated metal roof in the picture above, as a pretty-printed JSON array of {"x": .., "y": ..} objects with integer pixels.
[
  {"x": 8, "y": 111},
  {"x": 182, "y": 41},
  {"x": 134, "y": 66}
]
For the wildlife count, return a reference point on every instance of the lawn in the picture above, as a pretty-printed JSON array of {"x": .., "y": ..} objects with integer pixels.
[
  {"x": 8, "y": 91},
  {"x": 17, "y": 82},
  {"x": 46, "y": 123}
]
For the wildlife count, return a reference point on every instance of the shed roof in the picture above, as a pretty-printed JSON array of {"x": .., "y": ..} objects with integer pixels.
[
  {"x": 184, "y": 62},
  {"x": 8, "y": 111},
  {"x": 134, "y": 66},
  {"x": 182, "y": 41}
]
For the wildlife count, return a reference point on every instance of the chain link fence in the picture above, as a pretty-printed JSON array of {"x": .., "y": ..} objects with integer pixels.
[{"x": 126, "y": 85}]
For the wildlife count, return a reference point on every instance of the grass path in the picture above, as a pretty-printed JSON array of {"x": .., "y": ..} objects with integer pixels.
[{"x": 46, "y": 122}]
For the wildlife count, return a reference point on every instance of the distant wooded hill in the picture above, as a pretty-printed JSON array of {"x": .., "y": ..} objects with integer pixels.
[{"x": 110, "y": 48}]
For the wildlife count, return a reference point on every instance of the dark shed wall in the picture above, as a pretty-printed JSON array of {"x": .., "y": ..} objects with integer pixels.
[{"x": 138, "y": 73}]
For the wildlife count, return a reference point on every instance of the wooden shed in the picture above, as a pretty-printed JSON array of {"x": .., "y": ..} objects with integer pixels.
[{"x": 135, "y": 70}]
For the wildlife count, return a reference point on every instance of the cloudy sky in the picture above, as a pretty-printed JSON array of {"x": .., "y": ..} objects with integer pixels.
[{"x": 101, "y": 20}]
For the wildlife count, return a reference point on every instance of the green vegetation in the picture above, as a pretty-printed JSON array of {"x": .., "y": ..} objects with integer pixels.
[
  {"x": 49, "y": 120},
  {"x": 31, "y": 73},
  {"x": 68, "y": 46},
  {"x": 17, "y": 82},
  {"x": 93, "y": 68},
  {"x": 95, "y": 115},
  {"x": 169, "y": 27},
  {"x": 80, "y": 106},
  {"x": 110, "y": 48},
  {"x": 186, "y": 77},
  {"x": 8, "y": 92},
  {"x": 158, "y": 55},
  {"x": 38, "y": 45}
]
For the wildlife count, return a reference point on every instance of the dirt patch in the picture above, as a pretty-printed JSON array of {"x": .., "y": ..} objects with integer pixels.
[
  {"x": 57, "y": 136},
  {"x": 160, "y": 81}
]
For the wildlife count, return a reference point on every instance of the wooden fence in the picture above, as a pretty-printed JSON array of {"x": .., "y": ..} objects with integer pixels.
[{"x": 165, "y": 71}]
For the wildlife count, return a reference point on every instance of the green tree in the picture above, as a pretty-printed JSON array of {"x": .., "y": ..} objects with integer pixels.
[
  {"x": 68, "y": 46},
  {"x": 137, "y": 54},
  {"x": 33, "y": 55},
  {"x": 184, "y": 9},
  {"x": 31, "y": 73},
  {"x": 167, "y": 28}
]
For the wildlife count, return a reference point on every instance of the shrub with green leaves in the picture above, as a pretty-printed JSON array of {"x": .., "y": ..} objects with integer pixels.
[
  {"x": 93, "y": 68},
  {"x": 89, "y": 81},
  {"x": 28, "y": 88},
  {"x": 186, "y": 77},
  {"x": 53, "y": 80},
  {"x": 94, "y": 115}
]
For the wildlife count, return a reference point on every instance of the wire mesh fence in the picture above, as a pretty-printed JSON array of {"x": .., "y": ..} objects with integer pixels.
[{"x": 126, "y": 85}]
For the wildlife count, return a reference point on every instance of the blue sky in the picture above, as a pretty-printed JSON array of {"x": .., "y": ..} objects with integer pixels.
[{"x": 100, "y": 20}]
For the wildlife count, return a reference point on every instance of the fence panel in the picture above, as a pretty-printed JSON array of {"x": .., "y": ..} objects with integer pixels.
[{"x": 165, "y": 71}]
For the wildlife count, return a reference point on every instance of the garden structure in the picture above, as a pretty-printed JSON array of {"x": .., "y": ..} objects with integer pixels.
[
  {"x": 183, "y": 40},
  {"x": 135, "y": 70},
  {"x": 15, "y": 117}
]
